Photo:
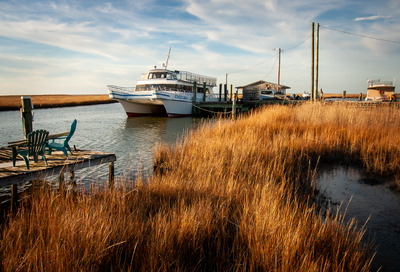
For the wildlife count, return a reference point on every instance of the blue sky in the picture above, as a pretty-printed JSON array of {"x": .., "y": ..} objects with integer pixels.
[{"x": 78, "y": 47}]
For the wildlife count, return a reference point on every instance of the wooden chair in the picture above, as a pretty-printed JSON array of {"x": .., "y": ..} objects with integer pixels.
[
  {"x": 36, "y": 142},
  {"x": 64, "y": 146}
]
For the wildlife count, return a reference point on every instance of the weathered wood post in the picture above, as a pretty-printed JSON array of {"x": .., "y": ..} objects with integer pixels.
[
  {"x": 26, "y": 114},
  {"x": 220, "y": 92},
  {"x": 194, "y": 110},
  {"x": 194, "y": 92},
  {"x": 234, "y": 105},
  {"x": 14, "y": 198},
  {"x": 230, "y": 93},
  {"x": 344, "y": 95},
  {"x": 72, "y": 178},
  {"x": 360, "y": 98},
  {"x": 111, "y": 175},
  {"x": 204, "y": 91},
  {"x": 61, "y": 182},
  {"x": 225, "y": 92}
]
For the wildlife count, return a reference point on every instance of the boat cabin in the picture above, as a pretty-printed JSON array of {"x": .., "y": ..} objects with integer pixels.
[{"x": 380, "y": 91}]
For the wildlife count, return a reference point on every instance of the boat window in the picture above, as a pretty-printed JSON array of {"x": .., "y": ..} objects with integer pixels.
[
  {"x": 142, "y": 87},
  {"x": 157, "y": 75}
]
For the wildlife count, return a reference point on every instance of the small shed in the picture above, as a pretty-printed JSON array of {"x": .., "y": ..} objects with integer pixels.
[{"x": 252, "y": 91}]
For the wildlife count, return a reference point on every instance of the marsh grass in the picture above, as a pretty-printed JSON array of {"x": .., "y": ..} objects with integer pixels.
[
  {"x": 233, "y": 196},
  {"x": 13, "y": 102}
]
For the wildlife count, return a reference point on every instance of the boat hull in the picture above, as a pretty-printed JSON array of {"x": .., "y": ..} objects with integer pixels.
[{"x": 137, "y": 108}]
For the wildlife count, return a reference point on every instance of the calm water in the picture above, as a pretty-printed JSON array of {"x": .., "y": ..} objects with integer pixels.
[
  {"x": 368, "y": 199},
  {"x": 103, "y": 128}
]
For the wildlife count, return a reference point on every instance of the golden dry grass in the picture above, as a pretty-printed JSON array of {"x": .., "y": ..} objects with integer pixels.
[
  {"x": 234, "y": 196},
  {"x": 12, "y": 102}
]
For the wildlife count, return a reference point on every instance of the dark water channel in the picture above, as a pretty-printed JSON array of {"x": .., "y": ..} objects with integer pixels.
[{"x": 367, "y": 199}]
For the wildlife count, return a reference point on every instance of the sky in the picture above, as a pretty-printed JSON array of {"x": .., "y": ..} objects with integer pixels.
[{"x": 80, "y": 47}]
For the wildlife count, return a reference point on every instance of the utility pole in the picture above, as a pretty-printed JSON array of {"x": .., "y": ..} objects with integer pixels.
[
  {"x": 316, "y": 62},
  {"x": 279, "y": 65},
  {"x": 312, "y": 62}
]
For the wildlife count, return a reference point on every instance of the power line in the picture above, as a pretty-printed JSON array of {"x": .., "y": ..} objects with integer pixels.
[
  {"x": 360, "y": 35},
  {"x": 251, "y": 67},
  {"x": 271, "y": 69},
  {"x": 298, "y": 44}
]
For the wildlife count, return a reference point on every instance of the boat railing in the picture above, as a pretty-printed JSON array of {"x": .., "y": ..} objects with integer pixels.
[
  {"x": 121, "y": 89},
  {"x": 377, "y": 82},
  {"x": 200, "y": 79},
  {"x": 168, "y": 89},
  {"x": 185, "y": 76}
]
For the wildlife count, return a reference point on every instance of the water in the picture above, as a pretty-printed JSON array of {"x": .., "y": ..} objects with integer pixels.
[
  {"x": 103, "y": 128},
  {"x": 368, "y": 199}
]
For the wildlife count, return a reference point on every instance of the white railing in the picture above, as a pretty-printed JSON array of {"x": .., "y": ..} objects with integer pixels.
[
  {"x": 121, "y": 89},
  {"x": 200, "y": 79},
  {"x": 189, "y": 77},
  {"x": 376, "y": 82}
]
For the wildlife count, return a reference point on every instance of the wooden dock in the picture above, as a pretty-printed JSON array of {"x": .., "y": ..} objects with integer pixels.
[
  {"x": 57, "y": 164},
  {"x": 227, "y": 107}
]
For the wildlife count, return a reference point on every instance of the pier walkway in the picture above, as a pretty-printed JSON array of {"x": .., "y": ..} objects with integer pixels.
[{"x": 57, "y": 164}]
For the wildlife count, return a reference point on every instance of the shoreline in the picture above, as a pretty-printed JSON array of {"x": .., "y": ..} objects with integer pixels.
[{"x": 13, "y": 102}]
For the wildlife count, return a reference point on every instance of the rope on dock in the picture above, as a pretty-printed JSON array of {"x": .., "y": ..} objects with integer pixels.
[{"x": 211, "y": 111}]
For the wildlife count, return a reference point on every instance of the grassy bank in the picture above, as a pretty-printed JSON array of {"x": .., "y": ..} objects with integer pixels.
[
  {"x": 236, "y": 196},
  {"x": 13, "y": 102}
]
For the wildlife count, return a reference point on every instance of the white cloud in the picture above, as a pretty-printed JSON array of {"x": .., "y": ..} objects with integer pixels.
[{"x": 371, "y": 18}]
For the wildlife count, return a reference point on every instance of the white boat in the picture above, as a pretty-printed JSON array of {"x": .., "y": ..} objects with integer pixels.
[
  {"x": 164, "y": 92},
  {"x": 380, "y": 91}
]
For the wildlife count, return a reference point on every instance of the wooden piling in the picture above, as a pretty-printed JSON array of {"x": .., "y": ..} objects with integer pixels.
[
  {"x": 14, "y": 198},
  {"x": 225, "y": 92},
  {"x": 220, "y": 92},
  {"x": 111, "y": 175},
  {"x": 230, "y": 93},
  {"x": 344, "y": 95},
  {"x": 194, "y": 91},
  {"x": 72, "y": 180},
  {"x": 204, "y": 91},
  {"x": 26, "y": 114},
  {"x": 234, "y": 105},
  {"x": 61, "y": 182}
]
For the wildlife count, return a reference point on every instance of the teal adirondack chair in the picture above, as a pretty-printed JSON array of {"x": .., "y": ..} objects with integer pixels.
[
  {"x": 36, "y": 142},
  {"x": 64, "y": 146}
]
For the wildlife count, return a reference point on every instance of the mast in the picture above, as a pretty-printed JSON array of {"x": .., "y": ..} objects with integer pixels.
[{"x": 166, "y": 63}]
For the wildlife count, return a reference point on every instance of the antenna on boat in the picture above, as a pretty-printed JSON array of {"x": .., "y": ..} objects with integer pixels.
[{"x": 166, "y": 63}]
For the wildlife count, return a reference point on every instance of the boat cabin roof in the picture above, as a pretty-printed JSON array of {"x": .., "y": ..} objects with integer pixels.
[{"x": 179, "y": 75}]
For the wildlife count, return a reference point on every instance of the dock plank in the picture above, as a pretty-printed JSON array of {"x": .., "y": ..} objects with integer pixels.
[{"x": 57, "y": 162}]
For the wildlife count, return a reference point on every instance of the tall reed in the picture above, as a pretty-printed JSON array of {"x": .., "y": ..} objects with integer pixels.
[{"x": 232, "y": 196}]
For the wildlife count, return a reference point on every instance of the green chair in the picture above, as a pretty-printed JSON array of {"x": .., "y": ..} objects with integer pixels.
[
  {"x": 64, "y": 146},
  {"x": 36, "y": 142}
]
